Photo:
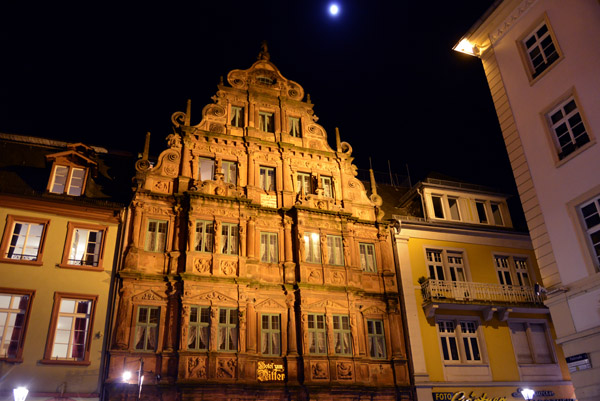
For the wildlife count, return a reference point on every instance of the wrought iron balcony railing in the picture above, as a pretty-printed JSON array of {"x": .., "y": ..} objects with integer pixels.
[{"x": 465, "y": 291}]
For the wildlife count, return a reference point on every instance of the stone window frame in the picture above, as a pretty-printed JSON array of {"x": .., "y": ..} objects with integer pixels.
[
  {"x": 58, "y": 297},
  {"x": 263, "y": 181},
  {"x": 228, "y": 326},
  {"x": 322, "y": 180},
  {"x": 304, "y": 183},
  {"x": 18, "y": 357},
  {"x": 199, "y": 324},
  {"x": 335, "y": 252},
  {"x": 239, "y": 116},
  {"x": 262, "y": 121},
  {"x": 268, "y": 245},
  {"x": 291, "y": 132},
  {"x": 375, "y": 336},
  {"x": 341, "y": 333},
  {"x": 71, "y": 227},
  {"x": 269, "y": 332},
  {"x": 364, "y": 266},
  {"x": 232, "y": 250},
  {"x": 207, "y": 243},
  {"x": 309, "y": 239},
  {"x": 229, "y": 168},
  {"x": 315, "y": 331},
  {"x": 147, "y": 325},
  {"x": 208, "y": 162},
  {"x": 9, "y": 228},
  {"x": 147, "y": 232}
]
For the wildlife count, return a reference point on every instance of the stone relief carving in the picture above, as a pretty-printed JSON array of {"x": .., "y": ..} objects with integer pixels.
[
  {"x": 314, "y": 277},
  {"x": 337, "y": 277},
  {"x": 226, "y": 368},
  {"x": 202, "y": 265},
  {"x": 174, "y": 140},
  {"x": 148, "y": 295},
  {"x": 319, "y": 370},
  {"x": 229, "y": 267},
  {"x": 196, "y": 368},
  {"x": 326, "y": 303},
  {"x": 269, "y": 303},
  {"x": 373, "y": 310},
  {"x": 344, "y": 370},
  {"x": 161, "y": 186}
]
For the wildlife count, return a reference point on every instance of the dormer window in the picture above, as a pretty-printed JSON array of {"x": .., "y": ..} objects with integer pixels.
[
  {"x": 265, "y": 80},
  {"x": 266, "y": 121},
  {"x": 66, "y": 179},
  {"x": 294, "y": 125},
  {"x": 237, "y": 116}
]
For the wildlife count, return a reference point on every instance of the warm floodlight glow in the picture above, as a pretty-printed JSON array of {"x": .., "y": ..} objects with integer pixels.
[
  {"x": 464, "y": 46},
  {"x": 527, "y": 393},
  {"x": 20, "y": 393},
  {"x": 334, "y": 9},
  {"x": 126, "y": 376}
]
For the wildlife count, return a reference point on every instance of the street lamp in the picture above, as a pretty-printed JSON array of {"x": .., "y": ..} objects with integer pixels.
[
  {"x": 140, "y": 381},
  {"x": 20, "y": 393},
  {"x": 527, "y": 393}
]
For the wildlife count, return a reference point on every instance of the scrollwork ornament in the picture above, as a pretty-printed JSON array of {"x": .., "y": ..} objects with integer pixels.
[
  {"x": 142, "y": 165},
  {"x": 178, "y": 118}
]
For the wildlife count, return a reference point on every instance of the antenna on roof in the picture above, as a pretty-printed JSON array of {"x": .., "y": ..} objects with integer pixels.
[{"x": 408, "y": 173}]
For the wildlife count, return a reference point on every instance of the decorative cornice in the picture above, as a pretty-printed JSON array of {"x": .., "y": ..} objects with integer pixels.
[{"x": 509, "y": 21}]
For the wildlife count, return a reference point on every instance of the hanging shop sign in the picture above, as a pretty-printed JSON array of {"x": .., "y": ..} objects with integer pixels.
[{"x": 267, "y": 372}]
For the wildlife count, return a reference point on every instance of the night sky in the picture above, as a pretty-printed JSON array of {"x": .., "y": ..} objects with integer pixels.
[{"x": 384, "y": 72}]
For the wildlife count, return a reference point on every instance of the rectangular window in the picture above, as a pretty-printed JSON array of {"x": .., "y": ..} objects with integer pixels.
[
  {"x": 312, "y": 247},
  {"x": 460, "y": 342},
  {"x": 503, "y": 269},
  {"x": 531, "y": 344},
  {"x": 376, "y": 339},
  {"x": 317, "y": 334},
  {"x": 146, "y": 328},
  {"x": 229, "y": 172},
  {"x": 497, "y": 214},
  {"x": 447, "y": 331},
  {"x": 199, "y": 329},
  {"x": 541, "y": 50},
  {"x": 335, "y": 249},
  {"x": 512, "y": 270},
  {"x": 435, "y": 265},
  {"x": 228, "y": 326},
  {"x": 270, "y": 335},
  {"x": 590, "y": 213},
  {"x": 303, "y": 181},
  {"x": 237, "y": 116},
  {"x": 470, "y": 342},
  {"x": 481, "y": 213},
  {"x": 568, "y": 128},
  {"x": 267, "y": 178},
  {"x": 67, "y": 180},
  {"x": 268, "y": 248},
  {"x": 367, "y": 257},
  {"x": 342, "y": 335},
  {"x": 327, "y": 184},
  {"x": 85, "y": 248},
  {"x": 454, "y": 210},
  {"x": 23, "y": 238},
  {"x": 14, "y": 310},
  {"x": 206, "y": 169},
  {"x": 455, "y": 266},
  {"x": 229, "y": 239},
  {"x": 438, "y": 209},
  {"x": 522, "y": 271},
  {"x": 294, "y": 125},
  {"x": 156, "y": 236},
  {"x": 266, "y": 121},
  {"x": 204, "y": 236}
]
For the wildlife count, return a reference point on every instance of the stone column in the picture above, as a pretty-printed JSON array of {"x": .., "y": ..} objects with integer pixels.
[
  {"x": 172, "y": 315},
  {"x": 185, "y": 323},
  {"x": 288, "y": 238},
  {"x": 251, "y": 237},
  {"x": 287, "y": 173},
  {"x": 122, "y": 330},
  {"x": 186, "y": 157},
  {"x": 251, "y": 319},
  {"x": 292, "y": 342},
  {"x": 329, "y": 331},
  {"x": 242, "y": 232},
  {"x": 251, "y": 156},
  {"x": 214, "y": 328},
  {"x": 395, "y": 327},
  {"x": 137, "y": 222}
]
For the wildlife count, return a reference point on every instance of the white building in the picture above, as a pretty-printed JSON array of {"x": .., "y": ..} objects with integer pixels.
[{"x": 542, "y": 62}]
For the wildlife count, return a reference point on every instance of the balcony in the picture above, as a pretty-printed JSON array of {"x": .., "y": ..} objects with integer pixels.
[{"x": 487, "y": 297}]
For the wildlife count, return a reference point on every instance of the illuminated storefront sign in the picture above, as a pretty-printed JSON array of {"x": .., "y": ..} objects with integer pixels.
[
  {"x": 269, "y": 372},
  {"x": 501, "y": 394}
]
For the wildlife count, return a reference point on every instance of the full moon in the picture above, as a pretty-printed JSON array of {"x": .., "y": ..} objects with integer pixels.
[{"x": 334, "y": 9}]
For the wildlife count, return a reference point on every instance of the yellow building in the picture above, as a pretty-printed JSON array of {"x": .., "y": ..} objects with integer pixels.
[
  {"x": 59, "y": 230},
  {"x": 475, "y": 323}
]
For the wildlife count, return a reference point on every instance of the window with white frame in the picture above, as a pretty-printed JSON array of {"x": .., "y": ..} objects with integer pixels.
[
  {"x": 567, "y": 125},
  {"x": 496, "y": 213},
  {"x": 23, "y": 238},
  {"x": 317, "y": 334},
  {"x": 445, "y": 207},
  {"x": 206, "y": 169},
  {"x": 342, "y": 335},
  {"x": 335, "y": 250},
  {"x": 229, "y": 238},
  {"x": 270, "y": 334},
  {"x": 590, "y": 212},
  {"x": 146, "y": 328},
  {"x": 13, "y": 317},
  {"x": 312, "y": 247},
  {"x": 156, "y": 236},
  {"x": 512, "y": 270},
  {"x": 438, "y": 208},
  {"x": 454, "y": 208},
  {"x": 459, "y": 341},
  {"x": 66, "y": 179},
  {"x": 228, "y": 330},
  {"x": 294, "y": 126},
  {"x": 541, "y": 49},
  {"x": 481, "y": 212},
  {"x": 367, "y": 257},
  {"x": 267, "y": 178},
  {"x": 229, "y": 170},
  {"x": 446, "y": 264},
  {"x": 199, "y": 328},
  {"x": 327, "y": 184},
  {"x": 71, "y": 329},
  {"x": 531, "y": 342},
  {"x": 204, "y": 236},
  {"x": 268, "y": 247},
  {"x": 237, "y": 116},
  {"x": 266, "y": 121},
  {"x": 376, "y": 339},
  {"x": 303, "y": 183},
  {"x": 85, "y": 246}
]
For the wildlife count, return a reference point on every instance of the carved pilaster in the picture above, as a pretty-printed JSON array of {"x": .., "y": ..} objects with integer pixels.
[
  {"x": 137, "y": 223},
  {"x": 122, "y": 329},
  {"x": 396, "y": 327},
  {"x": 214, "y": 328},
  {"x": 292, "y": 343},
  {"x": 251, "y": 237},
  {"x": 287, "y": 225},
  {"x": 251, "y": 332},
  {"x": 242, "y": 232},
  {"x": 251, "y": 156},
  {"x": 243, "y": 332}
]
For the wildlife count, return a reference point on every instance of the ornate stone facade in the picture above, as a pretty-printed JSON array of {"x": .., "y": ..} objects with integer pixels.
[{"x": 253, "y": 246}]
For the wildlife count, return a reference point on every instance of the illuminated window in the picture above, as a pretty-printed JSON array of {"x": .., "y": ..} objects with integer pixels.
[
  {"x": 342, "y": 335},
  {"x": 317, "y": 334},
  {"x": 156, "y": 236},
  {"x": 335, "y": 250},
  {"x": 512, "y": 270},
  {"x": 84, "y": 245},
  {"x": 567, "y": 125},
  {"x": 237, "y": 116},
  {"x": 459, "y": 340},
  {"x": 229, "y": 172},
  {"x": 367, "y": 257},
  {"x": 267, "y": 178},
  {"x": 206, "y": 169},
  {"x": 14, "y": 311},
  {"x": 270, "y": 335},
  {"x": 531, "y": 342},
  {"x": 69, "y": 335},
  {"x": 228, "y": 327},
  {"x": 266, "y": 121},
  {"x": 146, "y": 328},
  {"x": 590, "y": 213},
  {"x": 23, "y": 239},
  {"x": 327, "y": 184},
  {"x": 312, "y": 247},
  {"x": 268, "y": 248},
  {"x": 67, "y": 180},
  {"x": 303, "y": 181},
  {"x": 204, "y": 236},
  {"x": 294, "y": 125},
  {"x": 229, "y": 239},
  {"x": 376, "y": 339},
  {"x": 541, "y": 50},
  {"x": 199, "y": 329}
]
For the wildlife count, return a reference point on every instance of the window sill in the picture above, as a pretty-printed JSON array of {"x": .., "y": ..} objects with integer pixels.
[
  {"x": 573, "y": 154},
  {"x": 81, "y": 267},
  {"x": 12, "y": 360},
  {"x": 65, "y": 362},
  {"x": 22, "y": 262}
]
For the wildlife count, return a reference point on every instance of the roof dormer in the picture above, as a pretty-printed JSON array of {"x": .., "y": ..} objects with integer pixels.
[{"x": 70, "y": 170}]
